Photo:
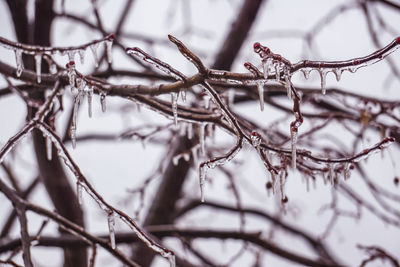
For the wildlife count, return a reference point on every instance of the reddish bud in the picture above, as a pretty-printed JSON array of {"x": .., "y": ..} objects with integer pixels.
[
  {"x": 351, "y": 167},
  {"x": 285, "y": 199},
  {"x": 71, "y": 63},
  {"x": 212, "y": 160},
  {"x": 322, "y": 64},
  {"x": 128, "y": 49},
  {"x": 356, "y": 62},
  {"x": 111, "y": 37},
  {"x": 257, "y": 47},
  {"x": 269, "y": 185},
  {"x": 396, "y": 181},
  {"x": 398, "y": 40},
  {"x": 247, "y": 65}
]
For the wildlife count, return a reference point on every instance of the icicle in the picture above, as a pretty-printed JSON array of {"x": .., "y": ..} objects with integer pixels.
[
  {"x": 71, "y": 74},
  {"x": 79, "y": 191},
  {"x": 171, "y": 259},
  {"x": 49, "y": 146},
  {"x": 338, "y": 73},
  {"x": 94, "y": 47},
  {"x": 183, "y": 95},
  {"x": 288, "y": 82},
  {"x": 103, "y": 101},
  {"x": 38, "y": 63},
  {"x": 202, "y": 177},
  {"x": 266, "y": 66},
  {"x": 174, "y": 102},
  {"x": 322, "y": 74},
  {"x": 190, "y": 131},
  {"x": 72, "y": 132},
  {"x": 202, "y": 138},
  {"x": 231, "y": 98},
  {"x": 19, "y": 61},
  {"x": 330, "y": 173},
  {"x": 306, "y": 73},
  {"x": 186, "y": 156},
  {"x": 111, "y": 225},
  {"x": 108, "y": 44},
  {"x": 293, "y": 138},
  {"x": 53, "y": 68},
  {"x": 194, "y": 154},
  {"x": 89, "y": 95},
  {"x": 71, "y": 55},
  {"x": 277, "y": 71},
  {"x": 260, "y": 87},
  {"x": 81, "y": 53}
]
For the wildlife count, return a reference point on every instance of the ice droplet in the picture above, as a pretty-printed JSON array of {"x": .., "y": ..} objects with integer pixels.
[
  {"x": 293, "y": 139},
  {"x": 94, "y": 47},
  {"x": 260, "y": 88},
  {"x": 49, "y": 146},
  {"x": 38, "y": 63},
  {"x": 175, "y": 160},
  {"x": 174, "y": 103},
  {"x": 19, "y": 62},
  {"x": 322, "y": 74},
  {"x": 111, "y": 228},
  {"x": 255, "y": 139},
  {"x": 103, "y": 102},
  {"x": 108, "y": 44}
]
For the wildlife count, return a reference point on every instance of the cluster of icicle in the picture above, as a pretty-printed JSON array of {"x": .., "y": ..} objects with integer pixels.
[{"x": 39, "y": 52}]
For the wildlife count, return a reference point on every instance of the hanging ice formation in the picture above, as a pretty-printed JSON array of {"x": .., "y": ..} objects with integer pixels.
[
  {"x": 94, "y": 47},
  {"x": 38, "y": 64},
  {"x": 174, "y": 101},
  {"x": 202, "y": 137},
  {"x": 111, "y": 228},
  {"x": 19, "y": 62},
  {"x": 260, "y": 88},
  {"x": 293, "y": 139},
  {"x": 79, "y": 191},
  {"x": 103, "y": 102}
]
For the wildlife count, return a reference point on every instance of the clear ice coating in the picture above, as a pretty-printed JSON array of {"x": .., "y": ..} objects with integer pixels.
[
  {"x": 38, "y": 64},
  {"x": 94, "y": 47},
  {"x": 293, "y": 139},
  {"x": 306, "y": 72},
  {"x": 19, "y": 62},
  {"x": 174, "y": 103},
  {"x": 260, "y": 88},
  {"x": 111, "y": 228},
  {"x": 108, "y": 43}
]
